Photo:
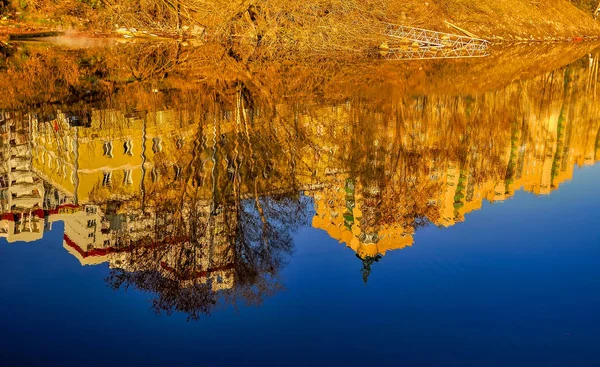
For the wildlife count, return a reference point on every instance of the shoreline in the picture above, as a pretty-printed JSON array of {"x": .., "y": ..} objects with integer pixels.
[
  {"x": 273, "y": 29},
  {"x": 26, "y": 32}
]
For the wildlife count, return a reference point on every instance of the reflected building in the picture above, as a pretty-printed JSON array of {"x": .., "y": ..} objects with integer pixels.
[
  {"x": 111, "y": 149},
  {"x": 375, "y": 170},
  {"x": 454, "y": 155},
  {"x": 21, "y": 191}
]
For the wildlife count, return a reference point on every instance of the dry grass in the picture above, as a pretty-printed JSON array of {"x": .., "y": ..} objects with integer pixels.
[
  {"x": 276, "y": 28},
  {"x": 250, "y": 26},
  {"x": 259, "y": 28},
  {"x": 522, "y": 18}
]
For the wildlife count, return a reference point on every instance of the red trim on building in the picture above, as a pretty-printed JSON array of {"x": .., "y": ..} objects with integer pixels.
[
  {"x": 74, "y": 246},
  {"x": 94, "y": 252},
  {"x": 63, "y": 206},
  {"x": 164, "y": 265}
]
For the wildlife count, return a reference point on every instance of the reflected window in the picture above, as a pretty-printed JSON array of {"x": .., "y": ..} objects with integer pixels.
[
  {"x": 128, "y": 148},
  {"x": 107, "y": 149},
  {"x": 107, "y": 179},
  {"x": 177, "y": 170},
  {"x": 156, "y": 145},
  {"x": 127, "y": 177},
  {"x": 179, "y": 142},
  {"x": 154, "y": 174}
]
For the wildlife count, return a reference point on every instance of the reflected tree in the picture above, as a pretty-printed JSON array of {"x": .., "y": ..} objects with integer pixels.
[{"x": 220, "y": 227}]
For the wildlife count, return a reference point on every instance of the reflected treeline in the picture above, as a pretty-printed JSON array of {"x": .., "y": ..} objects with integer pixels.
[{"x": 194, "y": 194}]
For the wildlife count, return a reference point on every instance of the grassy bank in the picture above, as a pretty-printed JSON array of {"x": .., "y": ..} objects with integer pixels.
[{"x": 276, "y": 27}]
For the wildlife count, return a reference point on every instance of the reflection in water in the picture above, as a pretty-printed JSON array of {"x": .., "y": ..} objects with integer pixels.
[{"x": 196, "y": 196}]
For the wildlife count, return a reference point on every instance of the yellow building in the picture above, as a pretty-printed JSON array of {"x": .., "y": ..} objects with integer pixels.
[{"x": 408, "y": 159}]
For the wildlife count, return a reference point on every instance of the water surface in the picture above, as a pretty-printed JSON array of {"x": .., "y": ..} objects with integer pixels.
[{"x": 167, "y": 204}]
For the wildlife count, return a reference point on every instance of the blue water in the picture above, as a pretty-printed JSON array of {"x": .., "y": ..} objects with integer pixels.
[{"x": 516, "y": 284}]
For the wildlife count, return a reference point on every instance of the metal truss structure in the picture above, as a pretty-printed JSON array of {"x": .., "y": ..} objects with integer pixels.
[
  {"x": 426, "y": 53},
  {"x": 427, "y": 44}
]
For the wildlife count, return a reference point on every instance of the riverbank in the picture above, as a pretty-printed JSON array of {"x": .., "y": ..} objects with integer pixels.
[{"x": 274, "y": 29}]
